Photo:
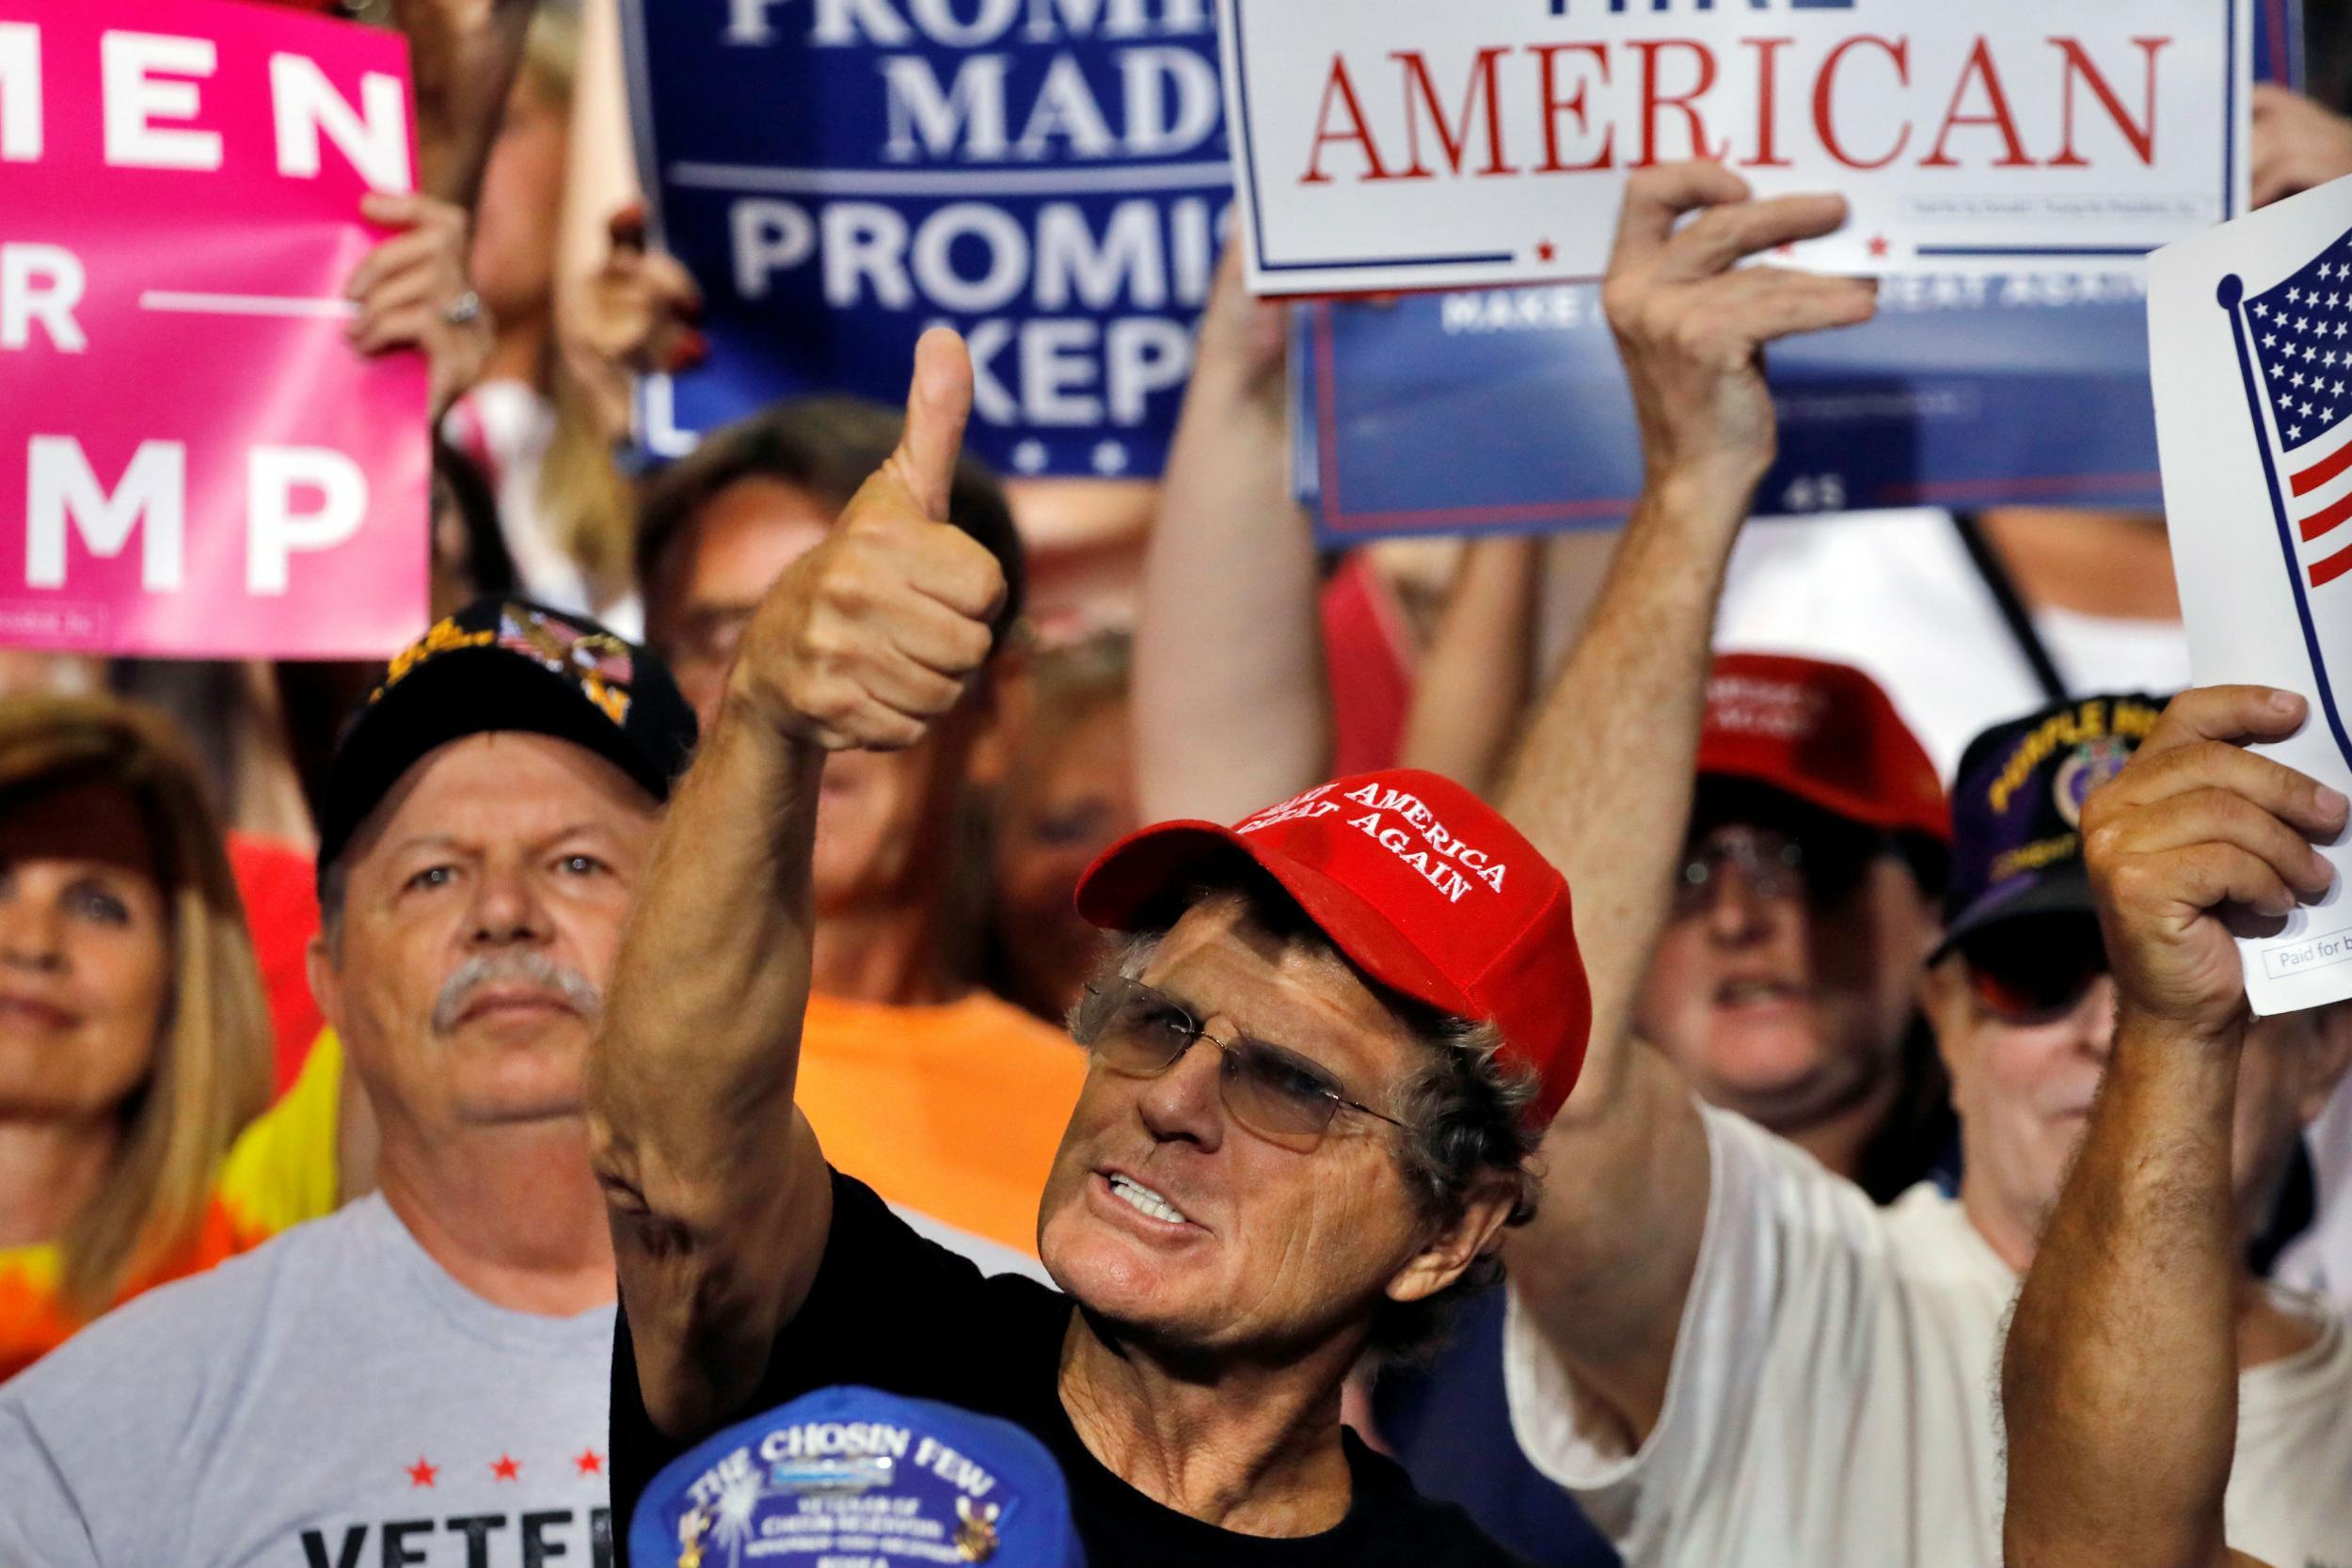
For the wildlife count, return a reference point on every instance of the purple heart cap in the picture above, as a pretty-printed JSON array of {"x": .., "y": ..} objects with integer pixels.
[{"x": 2017, "y": 805}]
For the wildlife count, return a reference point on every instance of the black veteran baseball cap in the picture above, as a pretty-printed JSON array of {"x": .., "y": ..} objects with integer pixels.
[
  {"x": 2017, "y": 809},
  {"x": 854, "y": 1475},
  {"x": 506, "y": 664}
]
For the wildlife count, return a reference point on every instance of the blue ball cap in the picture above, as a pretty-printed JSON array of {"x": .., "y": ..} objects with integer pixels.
[{"x": 856, "y": 1473}]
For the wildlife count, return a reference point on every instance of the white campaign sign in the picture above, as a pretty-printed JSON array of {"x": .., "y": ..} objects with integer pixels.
[
  {"x": 1402, "y": 144},
  {"x": 2249, "y": 333}
]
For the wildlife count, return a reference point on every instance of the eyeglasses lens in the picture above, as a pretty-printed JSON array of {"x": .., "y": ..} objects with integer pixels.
[{"x": 1135, "y": 1029}]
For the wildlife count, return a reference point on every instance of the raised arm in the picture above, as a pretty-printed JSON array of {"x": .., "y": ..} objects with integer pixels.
[
  {"x": 1603, "y": 782},
  {"x": 1476, "y": 679},
  {"x": 720, "y": 1197},
  {"x": 2120, "y": 1379},
  {"x": 463, "y": 53},
  {"x": 1232, "y": 705}
]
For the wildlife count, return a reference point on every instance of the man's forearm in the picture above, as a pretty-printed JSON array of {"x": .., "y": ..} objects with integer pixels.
[
  {"x": 463, "y": 53},
  {"x": 1232, "y": 705},
  {"x": 697, "y": 1053},
  {"x": 2120, "y": 1379},
  {"x": 1602, "y": 782},
  {"x": 1603, "y": 786}
]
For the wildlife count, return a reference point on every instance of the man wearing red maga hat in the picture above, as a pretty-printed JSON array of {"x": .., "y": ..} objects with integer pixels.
[{"x": 1316, "y": 1071}]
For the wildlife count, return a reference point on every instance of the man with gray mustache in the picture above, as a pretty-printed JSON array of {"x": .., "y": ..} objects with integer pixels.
[
  {"x": 528, "y": 971},
  {"x": 419, "y": 1377}
]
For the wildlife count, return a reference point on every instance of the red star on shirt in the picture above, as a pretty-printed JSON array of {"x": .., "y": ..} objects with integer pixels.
[
  {"x": 1878, "y": 245},
  {"x": 588, "y": 1463},
  {"x": 506, "y": 1468},
  {"x": 421, "y": 1473},
  {"x": 1543, "y": 250}
]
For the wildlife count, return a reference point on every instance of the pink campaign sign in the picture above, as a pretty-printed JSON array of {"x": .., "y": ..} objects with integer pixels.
[{"x": 193, "y": 460}]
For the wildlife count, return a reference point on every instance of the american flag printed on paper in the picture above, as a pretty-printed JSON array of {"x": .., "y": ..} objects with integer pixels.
[{"x": 2295, "y": 352}]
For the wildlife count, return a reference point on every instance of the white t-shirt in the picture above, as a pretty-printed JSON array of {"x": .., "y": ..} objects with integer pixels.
[
  {"x": 1894, "y": 594},
  {"x": 1835, "y": 1392}
]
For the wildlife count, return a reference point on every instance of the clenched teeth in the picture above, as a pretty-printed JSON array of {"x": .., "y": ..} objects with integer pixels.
[{"x": 1144, "y": 1201}]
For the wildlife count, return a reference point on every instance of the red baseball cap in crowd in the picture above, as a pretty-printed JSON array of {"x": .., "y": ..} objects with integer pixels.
[
  {"x": 1425, "y": 888},
  {"x": 1825, "y": 734}
]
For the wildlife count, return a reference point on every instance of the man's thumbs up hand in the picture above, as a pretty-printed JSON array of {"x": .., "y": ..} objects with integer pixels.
[{"x": 873, "y": 634}]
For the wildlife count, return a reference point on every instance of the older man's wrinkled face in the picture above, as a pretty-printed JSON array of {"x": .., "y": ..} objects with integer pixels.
[
  {"x": 2025, "y": 1018},
  {"x": 481, "y": 909},
  {"x": 1166, "y": 1216}
]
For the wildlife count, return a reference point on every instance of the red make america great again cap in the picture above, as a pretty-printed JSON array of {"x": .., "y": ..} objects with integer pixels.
[
  {"x": 1421, "y": 883},
  {"x": 1826, "y": 734}
]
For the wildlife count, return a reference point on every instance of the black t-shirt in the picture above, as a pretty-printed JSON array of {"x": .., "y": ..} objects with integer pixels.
[{"x": 895, "y": 1311}]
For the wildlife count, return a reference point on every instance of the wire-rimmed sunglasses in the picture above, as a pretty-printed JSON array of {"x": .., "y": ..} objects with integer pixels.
[{"x": 1277, "y": 1094}]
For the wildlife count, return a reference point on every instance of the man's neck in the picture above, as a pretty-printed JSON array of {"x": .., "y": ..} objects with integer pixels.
[
  {"x": 1254, "y": 1449},
  {"x": 49, "y": 1169},
  {"x": 889, "y": 952},
  {"x": 1838, "y": 1138},
  {"x": 513, "y": 1212},
  {"x": 2265, "y": 1331}
]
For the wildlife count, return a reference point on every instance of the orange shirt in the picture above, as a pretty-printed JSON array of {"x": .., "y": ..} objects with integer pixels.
[
  {"x": 33, "y": 1317},
  {"x": 954, "y": 1110}
]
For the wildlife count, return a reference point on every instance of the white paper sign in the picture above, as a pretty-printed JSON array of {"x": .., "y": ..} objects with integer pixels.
[
  {"x": 2250, "y": 331},
  {"x": 1429, "y": 144}
]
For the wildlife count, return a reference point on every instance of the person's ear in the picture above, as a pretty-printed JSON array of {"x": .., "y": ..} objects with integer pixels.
[
  {"x": 1450, "y": 1254},
  {"x": 1003, "y": 697},
  {"x": 319, "y": 960},
  {"x": 1943, "y": 994}
]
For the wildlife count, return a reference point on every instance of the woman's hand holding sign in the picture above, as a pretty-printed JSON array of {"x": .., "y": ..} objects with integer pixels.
[
  {"x": 414, "y": 291},
  {"x": 871, "y": 636}
]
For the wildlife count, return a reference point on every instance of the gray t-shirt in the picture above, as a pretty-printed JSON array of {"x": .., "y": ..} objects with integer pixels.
[{"x": 333, "y": 1400}]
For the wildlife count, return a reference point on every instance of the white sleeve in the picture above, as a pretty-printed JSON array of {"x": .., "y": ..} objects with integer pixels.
[
  {"x": 39, "y": 1519},
  {"x": 1783, "y": 1261}
]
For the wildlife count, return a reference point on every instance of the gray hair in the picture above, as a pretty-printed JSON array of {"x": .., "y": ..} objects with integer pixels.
[{"x": 1463, "y": 1110}]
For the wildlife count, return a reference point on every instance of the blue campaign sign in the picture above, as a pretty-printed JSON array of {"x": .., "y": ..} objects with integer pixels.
[
  {"x": 1506, "y": 410},
  {"x": 1048, "y": 176}
]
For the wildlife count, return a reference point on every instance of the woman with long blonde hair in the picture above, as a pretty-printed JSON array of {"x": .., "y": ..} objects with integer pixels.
[{"x": 134, "y": 1039}]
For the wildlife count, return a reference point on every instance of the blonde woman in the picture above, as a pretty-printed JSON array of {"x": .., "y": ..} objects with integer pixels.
[
  {"x": 133, "y": 1038},
  {"x": 526, "y": 423}
]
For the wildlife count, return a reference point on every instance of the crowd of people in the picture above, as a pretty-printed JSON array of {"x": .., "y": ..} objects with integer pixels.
[{"x": 1722, "y": 1038}]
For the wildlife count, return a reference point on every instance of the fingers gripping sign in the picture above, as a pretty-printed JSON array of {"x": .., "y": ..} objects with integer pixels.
[
  {"x": 2197, "y": 830},
  {"x": 1692, "y": 324},
  {"x": 867, "y": 639}
]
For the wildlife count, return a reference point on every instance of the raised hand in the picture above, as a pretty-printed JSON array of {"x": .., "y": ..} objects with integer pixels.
[
  {"x": 413, "y": 290},
  {"x": 867, "y": 639},
  {"x": 2193, "y": 823},
  {"x": 1691, "y": 328},
  {"x": 2297, "y": 144}
]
